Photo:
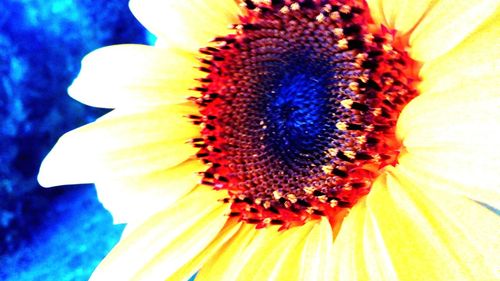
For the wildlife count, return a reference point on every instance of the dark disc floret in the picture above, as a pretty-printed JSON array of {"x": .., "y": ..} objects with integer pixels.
[{"x": 298, "y": 109}]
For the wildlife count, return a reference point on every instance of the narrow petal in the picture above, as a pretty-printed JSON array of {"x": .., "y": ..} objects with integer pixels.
[
  {"x": 278, "y": 258},
  {"x": 228, "y": 263},
  {"x": 137, "y": 197},
  {"x": 456, "y": 175},
  {"x": 266, "y": 254},
  {"x": 377, "y": 12},
  {"x": 390, "y": 9},
  {"x": 168, "y": 240},
  {"x": 317, "y": 254},
  {"x": 403, "y": 15},
  {"x": 194, "y": 265},
  {"x": 121, "y": 143},
  {"x": 473, "y": 63},
  {"x": 135, "y": 75},
  {"x": 188, "y": 24},
  {"x": 447, "y": 24},
  {"x": 453, "y": 140},
  {"x": 470, "y": 230},
  {"x": 433, "y": 234},
  {"x": 377, "y": 258},
  {"x": 450, "y": 119},
  {"x": 406, "y": 15},
  {"x": 349, "y": 261},
  {"x": 461, "y": 85},
  {"x": 187, "y": 247}
]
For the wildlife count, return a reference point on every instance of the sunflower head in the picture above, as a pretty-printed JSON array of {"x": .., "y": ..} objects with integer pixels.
[{"x": 298, "y": 109}]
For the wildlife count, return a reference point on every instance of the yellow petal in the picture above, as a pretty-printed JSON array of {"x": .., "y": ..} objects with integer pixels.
[
  {"x": 185, "y": 248},
  {"x": 376, "y": 256},
  {"x": 436, "y": 235},
  {"x": 121, "y": 143},
  {"x": 447, "y": 24},
  {"x": 451, "y": 119},
  {"x": 317, "y": 254},
  {"x": 461, "y": 85},
  {"x": 349, "y": 261},
  {"x": 377, "y": 12},
  {"x": 168, "y": 240},
  {"x": 451, "y": 137},
  {"x": 232, "y": 258},
  {"x": 137, "y": 197},
  {"x": 401, "y": 15},
  {"x": 278, "y": 258},
  {"x": 473, "y": 63},
  {"x": 470, "y": 229},
  {"x": 190, "y": 268},
  {"x": 135, "y": 75},
  {"x": 188, "y": 24},
  {"x": 391, "y": 8},
  {"x": 406, "y": 14},
  {"x": 464, "y": 175}
]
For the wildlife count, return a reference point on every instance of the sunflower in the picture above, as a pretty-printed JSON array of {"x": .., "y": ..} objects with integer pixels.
[{"x": 296, "y": 140}]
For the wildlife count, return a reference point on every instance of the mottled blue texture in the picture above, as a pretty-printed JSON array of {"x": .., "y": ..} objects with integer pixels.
[
  {"x": 41, "y": 46},
  {"x": 297, "y": 111},
  {"x": 71, "y": 239},
  {"x": 297, "y": 101}
]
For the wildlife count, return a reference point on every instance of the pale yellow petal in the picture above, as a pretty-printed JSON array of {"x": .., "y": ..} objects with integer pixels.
[
  {"x": 406, "y": 14},
  {"x": 167, "y": 240},
  {"x": 464, "y": 85},
  {"x": 376, "y": 256},
  {"x": 317, "y": 255},
  {"x": 190, "y": 268},
  {"x": 135, "y": 75},
  {"x": 133, "y": 198},
  {"x": 467, "y": 176},
  {"x": 472, "y": 66},
  {"x": 391, "y": 8},
  {"x": 436, "y": 235},
  {"x": 188, "y": 24},
  {"x": 451, "y": 119},
  {"x": 119, "y": 144},
  {"x": 447, "y": 24},
  {"x": 454, "y": 140},
  {"x": 401, "y": 15},
  {"x": 278, "y": 258},
  {"x": 185, "y": 248},
  {"x": 469, "y": 229},
  {"x": 377, "y": 12},
  {"x": 228, "y": 263},
  {"x": 349, "y": 261}
]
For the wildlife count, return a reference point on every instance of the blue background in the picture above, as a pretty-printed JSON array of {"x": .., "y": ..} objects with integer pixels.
[{"x": 60, "y": 233}]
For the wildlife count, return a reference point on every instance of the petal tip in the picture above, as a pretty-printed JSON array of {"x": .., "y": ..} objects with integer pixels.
[{"x": 46, "y": 176}]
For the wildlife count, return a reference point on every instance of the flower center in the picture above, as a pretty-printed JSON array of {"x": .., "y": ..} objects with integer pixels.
[{"x": 298, "y": 109}]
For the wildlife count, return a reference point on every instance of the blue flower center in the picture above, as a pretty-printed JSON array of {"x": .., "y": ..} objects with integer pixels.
[{"x": 296, "y": 114}]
